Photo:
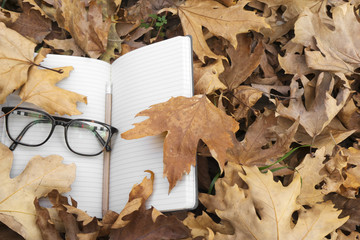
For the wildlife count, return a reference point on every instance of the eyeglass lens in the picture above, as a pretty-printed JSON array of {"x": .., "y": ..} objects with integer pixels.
[
  {"x": 29, "y": 127},
  {"x": 87, "y": 137},
  {"x": 33, "y": 128}
]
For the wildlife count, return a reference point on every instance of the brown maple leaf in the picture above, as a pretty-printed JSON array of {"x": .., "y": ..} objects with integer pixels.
[
  {"x": 40, "y": 89},
  {"x": 266, "y": 204},
  {"x": 39, "y": 177},
  {"x": 222, "y": 21},
  {"x": 183, "y": 119}
]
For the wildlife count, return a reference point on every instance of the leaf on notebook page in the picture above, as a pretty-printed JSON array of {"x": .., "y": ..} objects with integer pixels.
[
  {"x": 222, "y": 21},
  {"x": 266, "y": 204},
  {"x": 88, "y": 28},
  {"x": 135, "y": 222},
  {"x": 16, "y": 58},
  {"x": 41, "y": 90},
  {"x": 40, "y": 176},
  {"x": 183, "y": 120}
]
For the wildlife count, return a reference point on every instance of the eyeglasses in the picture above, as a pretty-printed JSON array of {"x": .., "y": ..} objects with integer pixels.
[{"x": 32, "y": 127}]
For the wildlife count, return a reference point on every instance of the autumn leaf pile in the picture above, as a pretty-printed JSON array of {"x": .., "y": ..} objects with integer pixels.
[{"x": 276, "y": 115}]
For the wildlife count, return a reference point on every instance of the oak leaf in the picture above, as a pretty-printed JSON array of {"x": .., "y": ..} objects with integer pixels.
[
  {"x": 218, "y": 19},
  {"x": 39, "y": 177},
  {"x": 330, "y": 53},
  {"x": 244, "y": 98},
  {"x": 183, "y": 120},
  {"x": 87, "y": 28},
  {"x": 320, "y": 107},
  {"x": 40, "y": 89},
  {"x": 264, "y": 210}
]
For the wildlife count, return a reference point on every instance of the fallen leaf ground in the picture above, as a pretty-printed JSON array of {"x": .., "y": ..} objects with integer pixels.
[{"x": 278, "y": 153}]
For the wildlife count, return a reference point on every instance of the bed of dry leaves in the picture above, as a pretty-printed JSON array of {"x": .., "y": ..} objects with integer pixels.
[{"x": 270, "y": 75}]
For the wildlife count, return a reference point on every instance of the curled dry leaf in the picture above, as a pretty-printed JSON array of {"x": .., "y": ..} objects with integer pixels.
[
  {"x": 222, "y": 21},
  {"x": 87, "y": 28},
  {"x": 134, "y": 222},
  {"x": 40, "y": 89},
  {"x": 331, "y": 54},
  {"x": 266, "y": 204},
  {"x": 40, "y": 176},
  {"x": 183, "y": 120},
  {"x": 320, "y": 107},
  {"x": 256, "y": 148}
]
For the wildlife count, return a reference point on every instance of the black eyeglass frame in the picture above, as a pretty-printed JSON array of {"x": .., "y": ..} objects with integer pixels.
[{"x": 55, "y": 120}]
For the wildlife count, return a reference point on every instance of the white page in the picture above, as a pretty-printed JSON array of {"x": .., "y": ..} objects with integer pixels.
[
  {"x": 89, "y": 78},
  {"x": 141, "y": 78}
]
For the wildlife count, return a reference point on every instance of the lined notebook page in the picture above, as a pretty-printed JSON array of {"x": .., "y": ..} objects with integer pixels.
[
  {"x": 88, "y": 78},
  {"x": 141, "y": 78}
]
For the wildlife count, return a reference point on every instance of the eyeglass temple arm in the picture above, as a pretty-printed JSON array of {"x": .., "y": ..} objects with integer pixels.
[{"x": 22, "y": 133}]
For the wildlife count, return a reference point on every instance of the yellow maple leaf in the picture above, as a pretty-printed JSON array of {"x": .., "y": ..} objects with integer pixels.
[
  {"x": 16, "y": 57},
  {"x": 183, "y": 120},
  {"x": 41, "y": 176},
  {"x": 41, "y": 90}
]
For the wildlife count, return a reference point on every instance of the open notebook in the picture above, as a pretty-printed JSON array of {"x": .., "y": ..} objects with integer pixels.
[{"x": 141, "y": 78}]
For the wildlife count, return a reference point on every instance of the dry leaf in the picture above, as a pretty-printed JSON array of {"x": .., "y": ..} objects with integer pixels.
[
  {"x": 43, "y": 220},
  {"x": 206, "y": 79},
  {"x": 256, "y": 148},
  {"x": 16, "y": 57},
  {"x": 309, "y": 170},
  {"x": 143, "y": 225},
  {"x": 183, "y": 120},
  {"x": 87, "y": 28},
  {"x": 349, "y": 207},
  {"x": 203, "y": 226},
  {"x": 40, "y": 176},
  {"x": 244, "y": 98},
  {"x": 244, "y": 60},
  {"x": 218, "y": 19},
  {"x": 320, "y": 110},
  {"x": 66, "y": 45},
  {"x": 31, "y": 24},
  {"x": 41, "y": 90},
  {"x": 266, "y": 204},
  {"x": 331, "y": 54}
]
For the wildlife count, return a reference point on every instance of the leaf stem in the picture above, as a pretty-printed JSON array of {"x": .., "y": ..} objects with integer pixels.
[{"x": 51, "y": 69}]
